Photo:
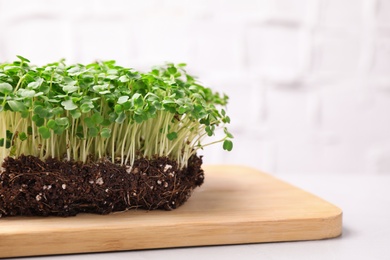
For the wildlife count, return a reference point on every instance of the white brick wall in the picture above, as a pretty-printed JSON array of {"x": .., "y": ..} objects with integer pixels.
[{"x": 309, "y": 80}]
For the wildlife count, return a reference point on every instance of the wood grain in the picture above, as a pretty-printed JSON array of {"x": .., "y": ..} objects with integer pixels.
[{"x": 235, "y": 205}]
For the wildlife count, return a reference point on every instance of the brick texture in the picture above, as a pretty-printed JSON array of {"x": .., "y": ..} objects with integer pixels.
[{"x": 309, "y": 80}]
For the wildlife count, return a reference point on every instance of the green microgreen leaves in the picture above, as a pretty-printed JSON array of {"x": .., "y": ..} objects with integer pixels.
[
  {"x": 227, "y": 145},
  {"x": 172, "y": 136},
  {"x": 22, "y": 58},
  {"x": 44, "y": 132},
  {"x": 102, "y": 109},
  {"x": 16, "y": 106},
  {"x": 23, "y": 136},
  {"x": 75, "y": 113},
  {"x": 5, "y": 88},
  {"x": 122, "y": 99},
  {"x": 69, "y": 104},
  {"x": 105, "y": 133},
  {"x": 62, "y": 121}
]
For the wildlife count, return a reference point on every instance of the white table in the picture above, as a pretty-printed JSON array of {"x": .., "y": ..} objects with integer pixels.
[{"x": 365, "y": 201}]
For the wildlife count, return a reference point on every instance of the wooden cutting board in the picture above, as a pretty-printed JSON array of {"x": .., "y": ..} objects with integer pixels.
[{"x": 236, "y": 205}]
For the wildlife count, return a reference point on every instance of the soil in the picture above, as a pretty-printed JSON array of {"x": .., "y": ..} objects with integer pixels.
[{"x": 31, "y": 187}]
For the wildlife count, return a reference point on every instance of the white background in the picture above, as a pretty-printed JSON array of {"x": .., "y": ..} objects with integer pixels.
[{"x": 309, "y": 80}]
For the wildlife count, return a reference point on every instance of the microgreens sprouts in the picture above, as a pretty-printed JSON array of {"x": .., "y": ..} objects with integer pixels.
[{"x": 102, "y": 110}]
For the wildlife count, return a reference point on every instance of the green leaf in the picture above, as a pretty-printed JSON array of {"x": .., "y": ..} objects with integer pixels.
[
  {"x": 22, "y": 136},
  {"x": 12, "y": 151},
  {"x": 226, "y": 120},
  {"x": 112, "y": 116},
  {"x": 172, "y": 136},
  {"x": 35, "y": 84},
  {"x": 126, "y": 105},
  {"x": 97, "y": 118},
  {"x": 38, "y": 120},
  {"x": 75, "y": 113},
  {"x": 5, "y": 88},
  {"x": 121, "y": 118},
  {"x": 123, "y": 99},
  {"x": 105, "y": 133},
  {"x": 172, "y": 70},
  {"x": 39, "y": 94},
  {"x": 88, "y": 122},
  {"x": 151, "y": 97},
  {"x": 62, "y": 121},
  {"x": 210, "y": 130},
  {"x": 112, "y": 77},
  {"x": 59, "y": 130},
  {"x": 93, "y": 132},
  {"x": 137, "y": 100},
  {"x": 227, "y": 145},
  {"x": 112, "y": 72},
  {"x": 118, "y": 108},
  {"x": 69, "y": 105},
  {"x": 8, "y": 144},
  {"x": 106, "y": 122},
  {"x": 70, "y": 88},
  {"x": 80, "y": 131},
  {"x": 124, "y": 79},
  {"x": 24, "y": 114},
  {"x": 44, "y": 132},
  {"x": 16, "y": 106},
  {"x": 58, "y": 110},
  {"x": 85, "y": 108},
  {"x": 168, "y": 101},
  {"x": 138, "y": 118},
  {"x": 44, "y": 88},
  {"x": 157, "y": 104},
  {"x": 182, "y": 110},
  {"x": 39, "y": 110},
  {"x": 227, "y": 133},
  {"x": 100, "y": 88},
  {"x": 74, "y": 71},
  {"x": 22, "y": 58},
  {"x": 223, "y": 112},
  {"x": 51, "y": 124},
  {"x": 8, "y": 134}
]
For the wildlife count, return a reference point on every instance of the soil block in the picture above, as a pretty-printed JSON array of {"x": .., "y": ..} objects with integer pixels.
[{"x": 32, "y": 187}]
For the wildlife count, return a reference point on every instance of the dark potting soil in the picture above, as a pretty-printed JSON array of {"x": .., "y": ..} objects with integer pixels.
[{"x": 31, "y": 187}]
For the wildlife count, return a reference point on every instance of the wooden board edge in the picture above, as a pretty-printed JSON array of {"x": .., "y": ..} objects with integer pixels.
[{"x": 134, "y": 238}]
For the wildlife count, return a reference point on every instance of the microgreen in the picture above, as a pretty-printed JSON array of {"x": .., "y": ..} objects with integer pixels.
[{"x": 102, "y": 110}]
